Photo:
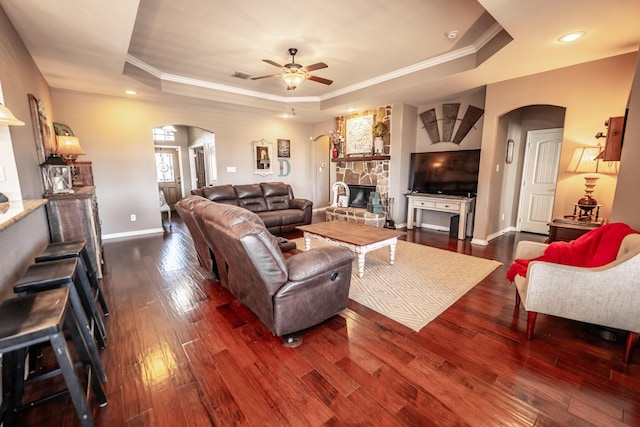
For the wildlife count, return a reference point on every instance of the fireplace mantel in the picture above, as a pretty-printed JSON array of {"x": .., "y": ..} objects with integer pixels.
[{"x": 360, "y": 158}]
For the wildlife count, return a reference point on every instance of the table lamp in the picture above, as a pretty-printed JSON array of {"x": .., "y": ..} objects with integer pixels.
[
  {"x": 585, "y": 161},
  {"x": 68, "y": 147}
]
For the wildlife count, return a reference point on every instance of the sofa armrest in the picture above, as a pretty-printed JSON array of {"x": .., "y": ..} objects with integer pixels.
[
  {"x": 530, "y": 250},
  {"x": 317, "y": 261},
  {"x": 301, "y": 204},
  {"x": 606, "y": 295}
]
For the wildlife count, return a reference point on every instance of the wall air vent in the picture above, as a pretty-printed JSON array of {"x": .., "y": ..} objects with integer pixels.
[{"x": 241, "y": 75}]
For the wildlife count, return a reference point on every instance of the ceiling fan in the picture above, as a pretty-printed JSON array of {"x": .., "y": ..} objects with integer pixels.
[{"x": 293, "y": 74}]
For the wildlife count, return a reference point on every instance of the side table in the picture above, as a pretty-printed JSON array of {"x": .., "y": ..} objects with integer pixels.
[{"x": 561, "y": 229}]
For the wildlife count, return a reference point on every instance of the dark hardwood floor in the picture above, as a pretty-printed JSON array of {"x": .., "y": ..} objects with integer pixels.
[{"x": 183, "y": 352}]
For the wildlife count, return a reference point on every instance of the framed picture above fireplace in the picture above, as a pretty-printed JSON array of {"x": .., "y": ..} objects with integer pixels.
[{"x": 359, "y": 137}]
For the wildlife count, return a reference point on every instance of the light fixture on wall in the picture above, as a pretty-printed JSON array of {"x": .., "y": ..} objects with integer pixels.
[
  {"x": 509, "y": 156},
  {"x": 585, "y": 161},
  {"x": 7, "y": 117}
]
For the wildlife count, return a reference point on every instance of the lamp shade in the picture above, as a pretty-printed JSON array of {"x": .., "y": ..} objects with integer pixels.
[
  {"x": 293, "y": 79},
  {"x": 69, "y": 146},
  {"x": 585, "y": 160},
  {"x": 7, "y": 117}
]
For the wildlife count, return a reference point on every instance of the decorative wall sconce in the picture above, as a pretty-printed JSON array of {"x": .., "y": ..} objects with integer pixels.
[{"x": 509, "y": 157}]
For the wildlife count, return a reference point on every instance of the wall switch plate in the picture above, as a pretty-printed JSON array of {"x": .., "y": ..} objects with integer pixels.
[
  {"x": 231, "y": 168},
  {"x": 133, "y": 217}
]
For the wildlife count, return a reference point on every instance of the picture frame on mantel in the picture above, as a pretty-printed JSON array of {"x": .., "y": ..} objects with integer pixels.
[
  {"x": 41, "y": 129},
  {"x": 359, "y": 137},
  {"x": 262, "y": 157}
]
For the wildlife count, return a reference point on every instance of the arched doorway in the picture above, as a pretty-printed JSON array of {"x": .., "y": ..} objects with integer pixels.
[
  {"x": 517, "y": 126},
  {"x": 185, "y": 159}
]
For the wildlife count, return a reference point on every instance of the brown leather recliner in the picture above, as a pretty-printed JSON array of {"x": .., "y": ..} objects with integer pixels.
[
  {"x": 184, "y": 208},
  {"x": 288, "y": 295}
]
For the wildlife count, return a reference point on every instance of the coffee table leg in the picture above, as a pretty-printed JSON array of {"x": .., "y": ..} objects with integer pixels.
[
  {"x": 307, "y": 243},
  {"x": 361, "y": 264},
  {"x": 392, "y": 253}
]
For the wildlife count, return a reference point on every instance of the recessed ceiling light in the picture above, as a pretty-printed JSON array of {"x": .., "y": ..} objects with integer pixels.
[
  {"x": 571, "y": 37},
  {"x": 130, "y": 92},
  {"x": 451, "y": 34}
]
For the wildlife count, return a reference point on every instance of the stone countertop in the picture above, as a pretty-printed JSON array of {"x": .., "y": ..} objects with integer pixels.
[{"x": 14, "y": 210}]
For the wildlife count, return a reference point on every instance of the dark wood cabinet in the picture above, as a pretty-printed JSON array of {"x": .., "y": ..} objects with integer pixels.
[{"x": 75, "y": 217}]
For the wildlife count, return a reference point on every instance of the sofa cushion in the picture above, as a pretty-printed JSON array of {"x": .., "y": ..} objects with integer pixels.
[
  {"x": 250, "y": 197},
  {"x": 277, "y": 195},
  {"x": 221, "y": 194}
]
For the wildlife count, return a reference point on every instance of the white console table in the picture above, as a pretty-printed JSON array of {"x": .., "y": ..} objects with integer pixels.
[{"x": 462, "y": 206}]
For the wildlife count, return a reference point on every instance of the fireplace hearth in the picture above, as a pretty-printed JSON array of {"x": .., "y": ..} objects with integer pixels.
[{"x": 359, "y": 195}]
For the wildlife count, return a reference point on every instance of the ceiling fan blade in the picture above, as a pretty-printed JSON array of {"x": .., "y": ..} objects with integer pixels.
[
  {"x": 320, "y": 80},
  {"x": 264, "y": 77},
  {"x": 318, "y": 66},
  {"x": 275, "y": 64}
]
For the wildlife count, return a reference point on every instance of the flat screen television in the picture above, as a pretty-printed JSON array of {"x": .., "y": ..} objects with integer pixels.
[{"x": 453, "y": 173}]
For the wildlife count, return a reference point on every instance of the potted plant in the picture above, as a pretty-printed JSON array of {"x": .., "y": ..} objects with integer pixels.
[{"x": 379, "y": 130}]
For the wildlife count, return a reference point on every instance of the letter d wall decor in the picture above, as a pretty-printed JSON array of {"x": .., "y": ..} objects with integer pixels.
[{"x": 285, "y": 167}]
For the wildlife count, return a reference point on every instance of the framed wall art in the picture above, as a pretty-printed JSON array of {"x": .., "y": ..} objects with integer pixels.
[
  {"x": 359, "y": 137},
  {"x": 284, "y": 148},
  {"x": 262, "y": 157},
  {"x": 41, "y": 129}
]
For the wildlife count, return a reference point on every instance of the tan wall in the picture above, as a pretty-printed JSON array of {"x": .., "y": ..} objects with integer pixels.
[
  {"x": 625, "y": 205},
  {"x": 116, "y": 135},
  {"x": 590, "y": 92},
  {"x": 23, "y": 240}
]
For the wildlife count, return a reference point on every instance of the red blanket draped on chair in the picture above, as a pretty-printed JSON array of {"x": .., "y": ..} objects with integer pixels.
[{"x": 593, "y": 249}]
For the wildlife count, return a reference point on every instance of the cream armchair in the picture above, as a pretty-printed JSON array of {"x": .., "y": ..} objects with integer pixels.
[{"x": 607, "y": 296}]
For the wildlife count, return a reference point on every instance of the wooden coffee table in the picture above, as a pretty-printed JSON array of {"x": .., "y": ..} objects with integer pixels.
[{"x": 357, "y": 237}]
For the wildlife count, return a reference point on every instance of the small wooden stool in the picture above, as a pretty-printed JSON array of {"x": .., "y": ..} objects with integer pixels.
[
  {"x": 65, "y": 272},
  {"x": 36, "y": 319},
  {"x": 78, "y": 249}
]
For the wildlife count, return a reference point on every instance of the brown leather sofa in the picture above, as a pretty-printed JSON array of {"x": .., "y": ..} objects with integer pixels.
[
  {"x": 287, "y": 294},
  {"x": 273, "y": 202}
]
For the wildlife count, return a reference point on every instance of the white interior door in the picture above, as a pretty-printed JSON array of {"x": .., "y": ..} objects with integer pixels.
[{"x": 539, "y": 178}]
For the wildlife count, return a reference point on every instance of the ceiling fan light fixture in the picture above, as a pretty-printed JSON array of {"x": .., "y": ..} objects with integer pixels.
[{"x": 293, "y": 79}]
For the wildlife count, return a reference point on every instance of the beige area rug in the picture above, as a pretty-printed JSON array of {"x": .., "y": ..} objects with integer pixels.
[{"x": 422, "y": 284}]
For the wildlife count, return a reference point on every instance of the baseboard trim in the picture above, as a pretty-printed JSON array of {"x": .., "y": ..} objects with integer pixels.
[{"x": 132, "y": 233}]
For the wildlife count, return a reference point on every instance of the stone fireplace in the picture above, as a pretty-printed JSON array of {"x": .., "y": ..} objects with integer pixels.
[
  {"x": 367, "y": 173},
  {"x": 359, "y": 195}
]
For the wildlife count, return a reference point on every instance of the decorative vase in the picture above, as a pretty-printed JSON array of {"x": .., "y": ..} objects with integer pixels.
[{"x": 378, "y": 143}]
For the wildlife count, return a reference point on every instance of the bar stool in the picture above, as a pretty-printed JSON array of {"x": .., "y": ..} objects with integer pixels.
[
  {"x": 36, "y": 319},
  {"x": 65, "y": 272},
  {"x": 77, "y": 249}
]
